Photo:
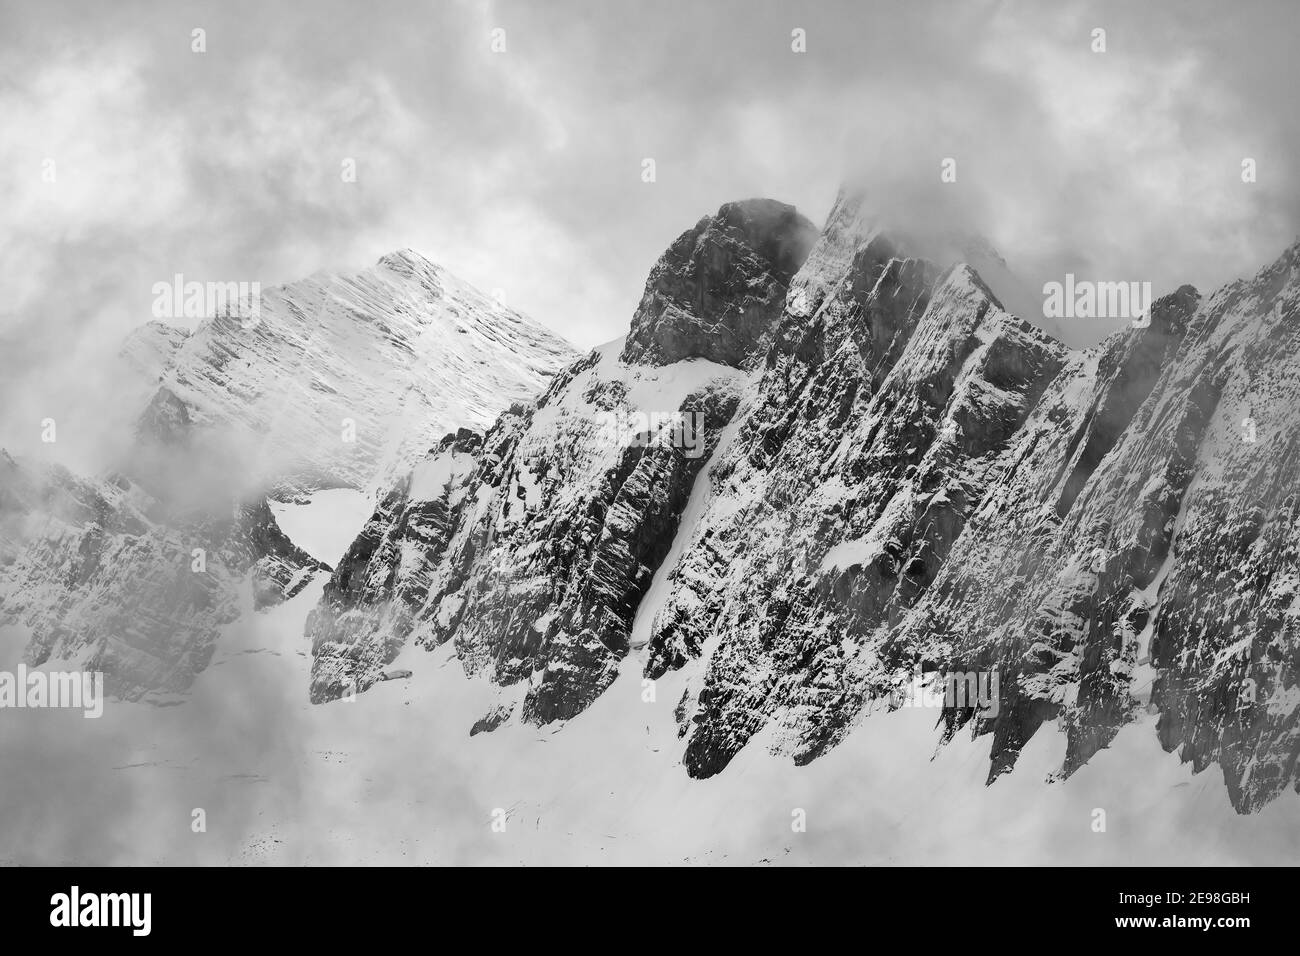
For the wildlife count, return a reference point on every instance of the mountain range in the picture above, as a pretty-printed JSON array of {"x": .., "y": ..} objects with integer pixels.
[
  {"x": 889, "y": 475},
  {"x": 901, "y": 478}
]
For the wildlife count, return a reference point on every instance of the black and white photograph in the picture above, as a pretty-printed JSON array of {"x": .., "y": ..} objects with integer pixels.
[{"x": 734, "y": 433}]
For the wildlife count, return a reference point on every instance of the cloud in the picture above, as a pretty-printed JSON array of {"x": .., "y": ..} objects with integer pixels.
[{"x": 521, "y": 170}]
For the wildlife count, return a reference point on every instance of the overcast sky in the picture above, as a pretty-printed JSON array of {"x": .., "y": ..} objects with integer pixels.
[{"x": 522, "y": 170}]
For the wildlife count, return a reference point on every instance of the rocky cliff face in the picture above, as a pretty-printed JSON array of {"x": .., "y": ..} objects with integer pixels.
[
  {"x": 531, "y": 547},
  {"x": 106, "y": 579},
  {"x": 897, "y": 475},
  {"x": 878, "y": 417},
  {"x": 341, "y": 381},
  {"x": 719, "y": 289},
  {"x": 535, "y": 551}
]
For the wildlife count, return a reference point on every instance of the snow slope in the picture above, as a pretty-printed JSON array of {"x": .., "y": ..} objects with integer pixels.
[
  {"x": 344, "y": 379},
  {"x": 395, "y": 778}
]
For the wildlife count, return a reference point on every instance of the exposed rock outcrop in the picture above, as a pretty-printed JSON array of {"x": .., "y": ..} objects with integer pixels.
[
  {"x": 719, "y": 289},
  {"x": 102, "y": 575},
  {"x": 898, "y": 476}
]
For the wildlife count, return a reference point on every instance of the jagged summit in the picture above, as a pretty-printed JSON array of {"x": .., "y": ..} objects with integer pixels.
[
  {"x": 404, "y": 255},
  {"x": 718, "y": 289},
  {"x": 964, "y": 274},
  {"x": 407, "y": 262},
  {"x": 855, "y": 221}
]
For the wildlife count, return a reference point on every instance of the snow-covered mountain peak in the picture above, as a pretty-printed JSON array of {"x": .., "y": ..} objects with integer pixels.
[
  {"x": 339, "y": 380},
  {"x": 405, "y": 258},
  {"x": 344, "y": 379},
  {"x": 151, "y": 348}
]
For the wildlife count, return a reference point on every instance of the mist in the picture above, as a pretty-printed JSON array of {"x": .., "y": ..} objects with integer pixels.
[{"x": 522, "y": 170}]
